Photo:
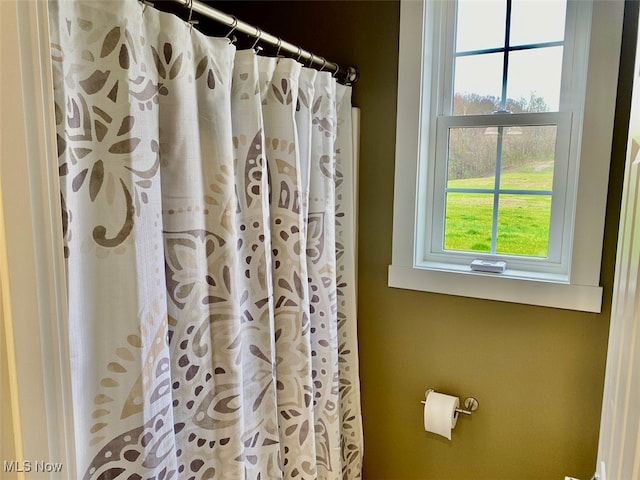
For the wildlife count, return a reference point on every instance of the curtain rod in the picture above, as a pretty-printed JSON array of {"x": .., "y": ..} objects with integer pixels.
[{"x": 348, "y": 75}]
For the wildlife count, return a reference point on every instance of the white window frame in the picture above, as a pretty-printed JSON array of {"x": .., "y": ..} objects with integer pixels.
[{"x": 571, "y": 281}]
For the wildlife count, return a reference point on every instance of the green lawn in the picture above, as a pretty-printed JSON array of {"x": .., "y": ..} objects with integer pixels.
[{"x": 523, "y": 220}]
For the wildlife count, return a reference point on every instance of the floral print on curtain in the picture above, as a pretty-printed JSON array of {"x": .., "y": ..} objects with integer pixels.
[{"x": 208, "y": 215}]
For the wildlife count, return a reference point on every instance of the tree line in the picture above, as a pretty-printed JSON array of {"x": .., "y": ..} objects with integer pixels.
[{"x": 473, "y": 150}]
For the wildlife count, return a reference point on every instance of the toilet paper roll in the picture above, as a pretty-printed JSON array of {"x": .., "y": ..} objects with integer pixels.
[{"x": 440, "y": 414}]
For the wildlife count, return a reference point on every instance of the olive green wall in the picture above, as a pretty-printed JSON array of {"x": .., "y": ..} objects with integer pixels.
[{"x": 537, "y": 372}]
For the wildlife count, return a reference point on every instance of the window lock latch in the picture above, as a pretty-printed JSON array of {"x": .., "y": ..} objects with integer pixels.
[{"x": 488, "y": 266}]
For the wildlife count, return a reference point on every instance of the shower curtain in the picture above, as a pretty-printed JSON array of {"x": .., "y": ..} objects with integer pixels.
[{"x": 208, "y": 214}]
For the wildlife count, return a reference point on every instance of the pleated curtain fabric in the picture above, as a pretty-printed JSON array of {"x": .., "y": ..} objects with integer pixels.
[{"x": 208, "y": 215}]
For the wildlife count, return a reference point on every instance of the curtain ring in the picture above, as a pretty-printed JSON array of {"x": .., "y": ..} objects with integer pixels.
[{"x": 257, "y": 39}]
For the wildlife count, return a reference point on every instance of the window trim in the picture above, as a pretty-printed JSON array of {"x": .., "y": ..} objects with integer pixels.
[{"x": 580, "y": 289}]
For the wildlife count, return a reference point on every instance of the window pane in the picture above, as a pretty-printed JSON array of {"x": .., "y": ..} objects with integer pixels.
[
  {"x": 468, "y": 222},
  {"x": 530, "y": 90},
  {"x": 481, "y": 24},
  {"x": 523, "y": 225},
  {"x": 528, "y": 155},
  {"x": 537, "y": 21},
  {"x": 477, "y": 84},
  {"x": 472, "y": 158}
]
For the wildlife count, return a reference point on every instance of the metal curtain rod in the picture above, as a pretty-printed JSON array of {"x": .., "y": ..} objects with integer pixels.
[{"x": 349, "y": 75}]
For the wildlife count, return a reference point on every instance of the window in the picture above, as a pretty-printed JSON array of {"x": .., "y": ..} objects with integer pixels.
[{"x": 503, "y": 163}]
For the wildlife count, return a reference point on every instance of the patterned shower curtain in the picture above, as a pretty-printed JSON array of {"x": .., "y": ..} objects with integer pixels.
[{"x": 208, "y": 212}]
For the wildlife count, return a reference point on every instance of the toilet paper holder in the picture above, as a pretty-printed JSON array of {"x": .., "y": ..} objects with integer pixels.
[{"x": 470, "y": 403}]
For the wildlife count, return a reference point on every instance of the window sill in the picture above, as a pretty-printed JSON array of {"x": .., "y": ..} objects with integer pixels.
[{"x": 510, "y": 286}]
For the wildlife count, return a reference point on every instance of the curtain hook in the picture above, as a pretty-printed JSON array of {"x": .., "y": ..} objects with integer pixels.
[
  {"x": 299, "y": 54},
  {"x": 259, "y": 35},
  {"x": 234, "y": 25},
  {"x": 324, "y": 63},
  {"x": 190, "y": 7},
  {"x": 189, "y": 20},
  {"x": 335, "y": 74},
  {"x": 279, "y": 47}
]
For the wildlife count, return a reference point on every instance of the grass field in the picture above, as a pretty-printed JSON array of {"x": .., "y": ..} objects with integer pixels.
[{"x": 523, "y": 220}]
